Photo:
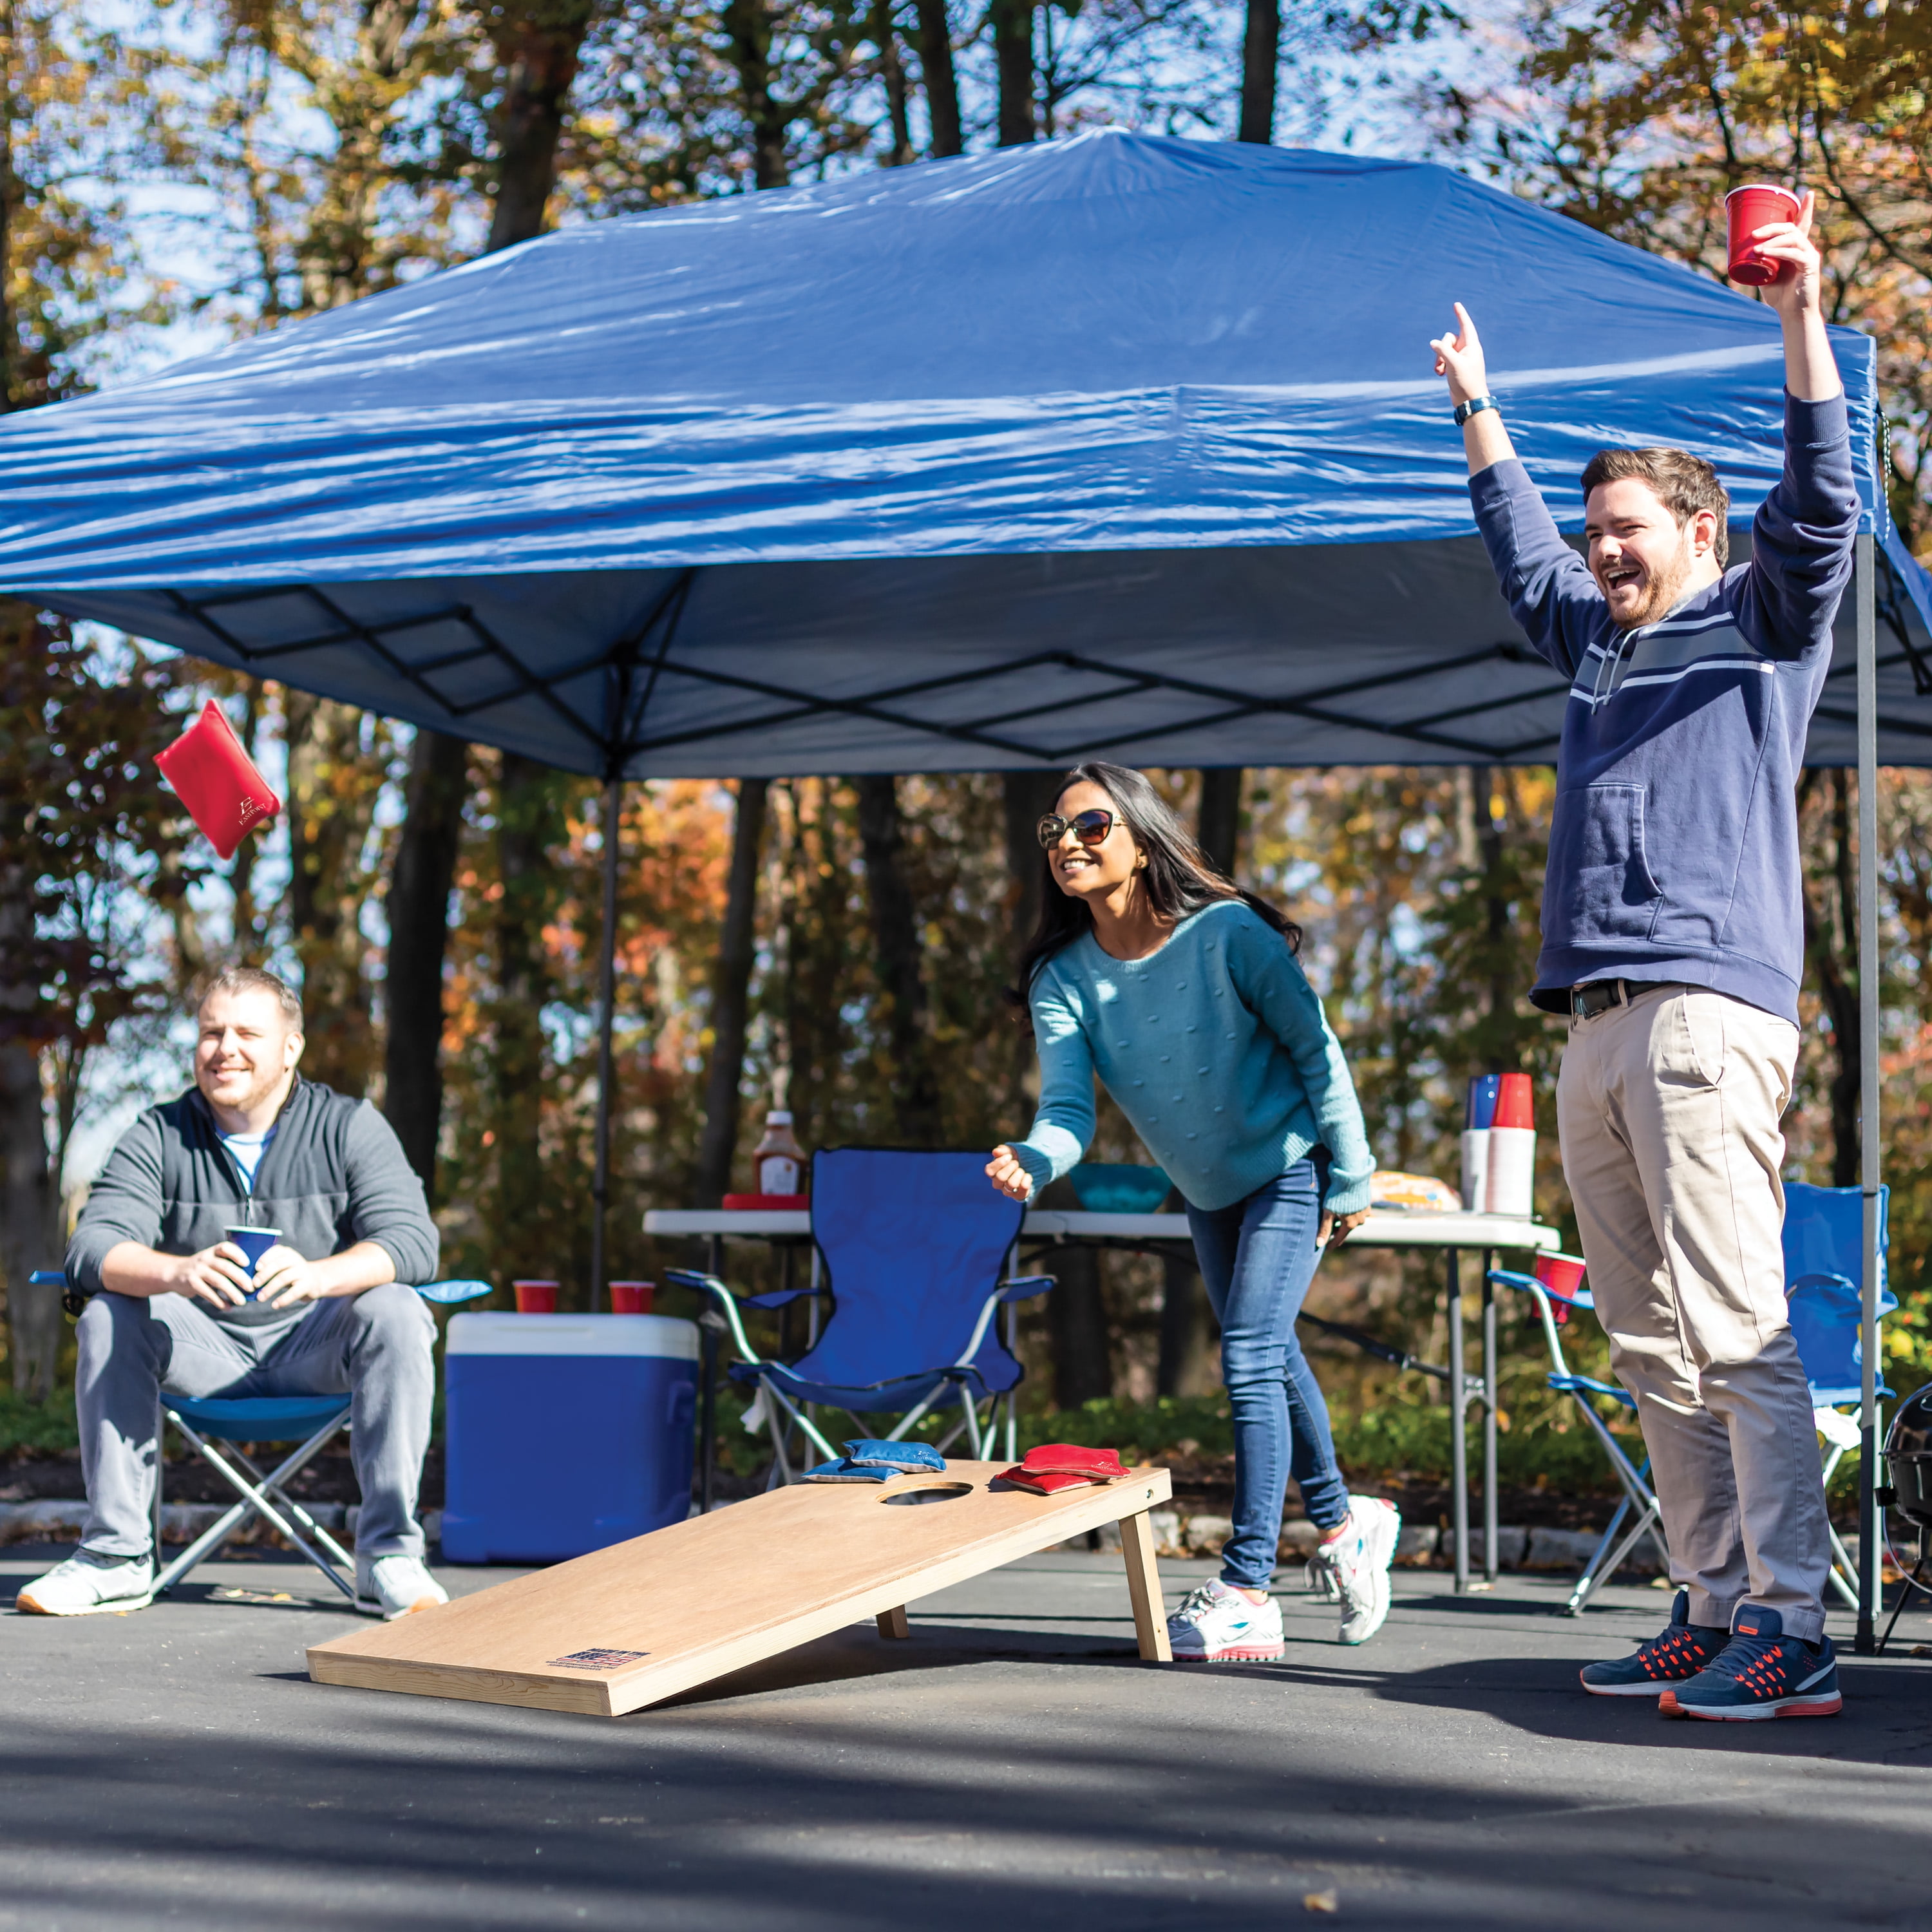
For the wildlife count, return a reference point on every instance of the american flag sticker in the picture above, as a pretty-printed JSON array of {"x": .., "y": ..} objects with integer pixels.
[{"x": 598, "y": 1660}]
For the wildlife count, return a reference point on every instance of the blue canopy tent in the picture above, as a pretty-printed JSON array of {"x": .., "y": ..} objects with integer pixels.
[{"x": 1115, "y": 444}]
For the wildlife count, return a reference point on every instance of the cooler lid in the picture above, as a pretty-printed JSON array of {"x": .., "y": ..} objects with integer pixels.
[{"x": 506, "y": 1333}]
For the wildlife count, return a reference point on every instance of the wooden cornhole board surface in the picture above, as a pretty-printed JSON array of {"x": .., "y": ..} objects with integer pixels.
[{"x": 642, "y": 1621}]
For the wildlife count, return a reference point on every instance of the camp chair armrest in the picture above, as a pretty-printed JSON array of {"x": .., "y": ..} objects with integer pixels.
[
  {"x": 777, "y": 1298},
  {"x": 1007, "y": 1290},
  {"x": 1026, "y": 1286},
  {"x": 710, "y": 1284},
  {"x": 1569, "y": 1384}
]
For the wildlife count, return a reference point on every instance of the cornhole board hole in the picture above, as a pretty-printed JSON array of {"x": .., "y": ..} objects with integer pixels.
[{"x": 642, "y": 1621}]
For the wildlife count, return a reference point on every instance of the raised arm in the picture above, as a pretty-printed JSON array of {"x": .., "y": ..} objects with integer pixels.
[
  {"x": 1806, "y": 527},
  {"x": 1459, "y": 358},
  {"x": 1548, "y": 587},
  {"x": 1811, "y": 369}
]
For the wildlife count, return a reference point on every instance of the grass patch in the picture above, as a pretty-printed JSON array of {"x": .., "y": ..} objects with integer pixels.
[{"x": 41, "y": 1428}]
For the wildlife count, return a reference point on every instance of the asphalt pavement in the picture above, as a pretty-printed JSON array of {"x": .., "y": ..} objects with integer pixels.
[{"x": 1014, "y": 1766}]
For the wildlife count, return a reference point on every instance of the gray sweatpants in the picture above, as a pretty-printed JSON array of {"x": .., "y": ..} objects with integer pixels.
[
  {"x": 1669, "y": 1109},
  {"x": 375, "y": 1346}
]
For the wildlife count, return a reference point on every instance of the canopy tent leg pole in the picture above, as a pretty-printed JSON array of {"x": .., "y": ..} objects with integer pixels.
[
  {"x": 1871, "y": 1585},
  {"x": 607, "y": 1003}
]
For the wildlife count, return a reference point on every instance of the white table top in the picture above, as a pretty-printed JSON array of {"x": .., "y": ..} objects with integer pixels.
[{"x": 1416, "y": 1229}]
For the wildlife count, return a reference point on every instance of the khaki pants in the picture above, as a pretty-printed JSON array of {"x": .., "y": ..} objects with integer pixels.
[{"x": 1669, "y": 1110}]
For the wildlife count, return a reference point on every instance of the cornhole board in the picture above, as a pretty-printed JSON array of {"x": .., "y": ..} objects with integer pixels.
[{"x": 642, "y": 1621}]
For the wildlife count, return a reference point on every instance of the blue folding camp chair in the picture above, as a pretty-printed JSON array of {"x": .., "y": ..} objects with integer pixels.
[
  {"x": 311, "y": 1421},
  {"x": 1824, "y": 1249},
  {"x": 1639, "y": 1507},
  {"x": 913, "y": 1244}
]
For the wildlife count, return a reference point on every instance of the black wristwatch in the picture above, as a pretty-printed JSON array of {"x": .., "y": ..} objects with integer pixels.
[{"x": 1475, "y": 406}]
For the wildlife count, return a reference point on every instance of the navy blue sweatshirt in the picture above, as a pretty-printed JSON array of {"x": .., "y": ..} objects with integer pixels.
[{"x": 1673, "y": 852}]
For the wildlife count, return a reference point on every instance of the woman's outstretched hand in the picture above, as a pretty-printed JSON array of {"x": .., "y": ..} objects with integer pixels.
[
  {"x": 1005, "y": 1173},
  {"x": 1335, "y": 1228}
]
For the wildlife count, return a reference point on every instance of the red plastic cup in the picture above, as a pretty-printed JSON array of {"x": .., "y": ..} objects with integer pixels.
[
  {"x": 1516, "y": 1104},
  {"x": 535, "y": 1298},
  {"x": 1562, "y": 1275},
  {"x": 632, "y": 1297},
  {"x": 1749, "y": 209}
]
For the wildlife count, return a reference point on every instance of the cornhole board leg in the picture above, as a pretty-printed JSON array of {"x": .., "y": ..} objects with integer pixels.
[
  {"x": 1144, "y": 1587},
  {"x": 639, "y": 1622}
]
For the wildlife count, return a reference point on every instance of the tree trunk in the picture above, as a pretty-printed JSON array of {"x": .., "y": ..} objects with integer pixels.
[
  {"x": 1489, "y": 834},
  {"x": 1218, "y": 829},
  {"x": 27, "y": 1220},
  {"x": 1013, "y": 61},
  {"x": 1828, "y": 931},
  {"x": 892, "y": 74},
  {"x": 1260, "y": 59},
  {"x": 748, "y": 30},
  {"x": 896, "y": 941},
  {"x": 537, "y": 47},
  {"x": 518, "y": 1063},
  {"x": 419, "y": 911},
  {"x": 332, "y": 796},
  {"x": 1076, "y": 1314},
  {"x": 941, "y": 78},
  {"x": 1184, "y": 1326},
  {"x": 731, "y": 987}
]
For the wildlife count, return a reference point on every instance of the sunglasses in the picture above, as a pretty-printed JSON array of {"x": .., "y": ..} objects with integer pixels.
[{"x": 1090, "y": 828}]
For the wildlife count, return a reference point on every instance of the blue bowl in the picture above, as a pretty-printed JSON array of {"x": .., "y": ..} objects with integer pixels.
[{"x": 1120, "y": 1187}]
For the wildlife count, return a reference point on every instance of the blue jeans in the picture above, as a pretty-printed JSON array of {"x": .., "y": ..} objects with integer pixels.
[{"x": 1258, "y": 1257}]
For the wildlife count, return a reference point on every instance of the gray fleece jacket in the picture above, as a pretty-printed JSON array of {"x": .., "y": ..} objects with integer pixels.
[{"x": 334, "y": 1174}]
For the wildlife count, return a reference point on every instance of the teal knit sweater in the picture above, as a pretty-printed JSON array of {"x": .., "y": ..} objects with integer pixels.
[{"x": 1216, "y": 1050}]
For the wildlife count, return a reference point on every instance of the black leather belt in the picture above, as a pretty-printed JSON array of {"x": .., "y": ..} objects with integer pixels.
[{"x": 1598, "y": 996}]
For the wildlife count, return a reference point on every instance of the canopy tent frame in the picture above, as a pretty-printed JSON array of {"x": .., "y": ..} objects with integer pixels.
[{"x": 623, "y": 662}]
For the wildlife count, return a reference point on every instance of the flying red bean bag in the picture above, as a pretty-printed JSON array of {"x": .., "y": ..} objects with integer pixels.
[{"x": 217, "y": 780}]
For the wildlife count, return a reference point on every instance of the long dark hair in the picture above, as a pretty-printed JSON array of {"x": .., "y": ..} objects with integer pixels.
[{"x": 1178, "y": 878}]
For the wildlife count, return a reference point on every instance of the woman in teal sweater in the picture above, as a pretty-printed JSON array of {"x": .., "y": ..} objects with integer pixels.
[{"x": 1183, "y": 994}]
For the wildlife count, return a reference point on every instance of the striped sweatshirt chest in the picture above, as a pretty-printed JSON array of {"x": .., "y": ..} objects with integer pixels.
[{"x": 1678, "y": 651}]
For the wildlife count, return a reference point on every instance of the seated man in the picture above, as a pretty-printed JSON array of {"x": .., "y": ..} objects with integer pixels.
[{"x": 250, "y": 1143}]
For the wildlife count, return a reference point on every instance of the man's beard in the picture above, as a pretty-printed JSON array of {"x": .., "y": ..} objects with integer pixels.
[{"x": 1664, "y": 591}]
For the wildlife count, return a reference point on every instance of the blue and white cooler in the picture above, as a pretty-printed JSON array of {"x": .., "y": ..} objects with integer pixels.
[{"x": 565, "y": 1433}]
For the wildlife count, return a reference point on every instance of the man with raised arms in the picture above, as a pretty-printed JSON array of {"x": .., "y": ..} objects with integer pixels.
[{"x": 1672, "y": 938}]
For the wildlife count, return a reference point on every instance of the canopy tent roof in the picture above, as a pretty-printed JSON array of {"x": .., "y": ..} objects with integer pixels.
[{"x": 1115, "y": 444}]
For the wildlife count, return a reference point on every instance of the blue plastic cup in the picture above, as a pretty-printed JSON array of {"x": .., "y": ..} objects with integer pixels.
[{"x": 254, "y": 1242}]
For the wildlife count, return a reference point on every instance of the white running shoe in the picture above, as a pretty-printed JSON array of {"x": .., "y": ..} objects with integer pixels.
[
  {"x": 395, "y": 1585},
  {"x": 86, "y": 1584},
  {"x": 1355, "y": 1564},
  {"x": 1215, "y": 1625}
]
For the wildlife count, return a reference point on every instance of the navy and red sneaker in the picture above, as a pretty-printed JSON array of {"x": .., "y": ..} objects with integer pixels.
[
  {"x": 1683, "y": 1650},
  {"x": 1761, "y": 1673}
]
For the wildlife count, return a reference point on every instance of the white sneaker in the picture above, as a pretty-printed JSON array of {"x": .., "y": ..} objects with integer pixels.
[
  {"x": 395, "y": 1585},
  {"x": 1355, "y": 1566},
  {"x": 86, "y": 1584},
  {"x": 1216, "y": 1625}
]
